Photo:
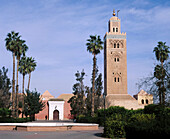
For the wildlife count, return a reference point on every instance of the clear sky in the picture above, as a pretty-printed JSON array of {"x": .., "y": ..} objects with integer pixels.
[{"x": 56, "y": 32}]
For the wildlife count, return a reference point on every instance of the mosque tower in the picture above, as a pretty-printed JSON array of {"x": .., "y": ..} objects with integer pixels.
[
  {"x": 115, "y": 67},
  {"x": 115, "y": 58}
]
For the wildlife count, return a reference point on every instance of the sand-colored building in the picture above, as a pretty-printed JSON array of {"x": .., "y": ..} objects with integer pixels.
[{"x": 115, "y": 69}]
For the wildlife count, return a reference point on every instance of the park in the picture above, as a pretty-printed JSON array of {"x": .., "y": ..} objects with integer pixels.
[{"x": 103, "y": 82}]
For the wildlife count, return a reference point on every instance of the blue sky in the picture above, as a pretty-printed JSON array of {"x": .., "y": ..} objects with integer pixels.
[{"x": 56, "y": 32}]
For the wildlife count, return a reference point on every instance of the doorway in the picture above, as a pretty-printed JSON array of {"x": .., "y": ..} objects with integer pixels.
[{"x": 56, "y": 115}]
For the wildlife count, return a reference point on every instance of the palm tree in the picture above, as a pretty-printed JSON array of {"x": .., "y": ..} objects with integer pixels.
[
  {"x": 23, "y": 68},
  {"x": 31, "y": 67},
  {"x": 11, "y": 43},
  {"x": 162, "y": 54},
  {"x": 94, "y": 46},
  {"x": 20, "y": 50}
]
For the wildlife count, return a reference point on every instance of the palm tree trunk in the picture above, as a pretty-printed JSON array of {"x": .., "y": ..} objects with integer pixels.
[
  {"x": 29, "y": 80},
  {"x": 13, "y": 87},
  {"x": 163, "y": 92},
  {"x": 23, "y": 94},
  {"x": 93, "y": 84},
  {"x": 160, "y": 95},
  {"x": 17, "y": 89}
]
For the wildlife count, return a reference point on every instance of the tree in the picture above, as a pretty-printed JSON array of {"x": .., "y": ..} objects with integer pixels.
[
  {"x": 98, "y": 100},
  {"x": 98, "y": 92},
  {"x": 21, "y": 48},
  {"x": 23, "y": 69},
  {"x": 94, "y": 46},
  {"x": 77, "y": 102},
  {"x": 31, "y": 67},
  {"x": 33, "y": 104},
  {"x": 11, "y": 43},
  {"x": 5, "y": 86},
  {"x": 158, "y": 83},
  {"x": 162, "y": 54}
]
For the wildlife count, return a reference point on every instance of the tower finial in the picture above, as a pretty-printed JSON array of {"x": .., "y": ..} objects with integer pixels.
[{"x": 114, "y": 12}]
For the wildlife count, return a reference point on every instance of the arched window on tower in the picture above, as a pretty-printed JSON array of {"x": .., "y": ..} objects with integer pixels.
[
  {"x": 116, "y": 29},
  {"x": 113, "y": 29},
  {"x": 117, "y": 59},
  {"x": 118, "y": 79},
  {"x": 115, "y": 79},
  {"x": 118, "y": 45},
  {"x": 114, "y": 45}
]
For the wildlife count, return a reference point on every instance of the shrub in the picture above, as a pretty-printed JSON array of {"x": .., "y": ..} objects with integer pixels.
[
  {"x": 142, "y": 118},
  {"x": 86, "y": 119},
  {"x": 115, "y": 109},
  {"x": 114, "y": 128},
  {"x": 156, "y": 109},
  {"x": 4, "y": 112},
  {"x": 13, "y": 120},
  {"x": 146, "y": 130}
]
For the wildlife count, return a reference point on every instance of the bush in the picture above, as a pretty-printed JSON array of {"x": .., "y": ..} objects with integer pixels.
[
  {"x": 146, "y": 130},
  {"x": 13, "y": 120},
  {"x": 116, "y": 109},
  {"x": 155, "y": 123},
  {"x": 156, "y": 109},
  {"x": 86, "y": 119},
  {"x": 114, "y": 128},
  {"x": 4, "y": 112},
  {"x": 142, "y": 118}
]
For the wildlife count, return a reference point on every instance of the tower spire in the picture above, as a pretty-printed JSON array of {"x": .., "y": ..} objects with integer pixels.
[{"x": 114, "y": 12}]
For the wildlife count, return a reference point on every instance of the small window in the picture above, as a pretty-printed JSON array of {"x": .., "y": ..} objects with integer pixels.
[
  {"x": 117, "y": 59},
  {"x": 116, "y": 29},
  {"x": 118, "y": 45},
  {"x": 118, "y": 79},
  {"x": 114, "y": 45},
  {"x": 142, "y": 101},
  {"x": 113, "y": 73},
  {"x": 115, "y": 79},
  {"x": 113, "y": 29},
  {"x": 146, "y": 101}
]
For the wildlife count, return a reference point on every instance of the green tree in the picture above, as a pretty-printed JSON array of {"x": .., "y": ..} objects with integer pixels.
[
  {"x": 11, "y": 43},
  {"x": 77, "y": 102},
  {"x": 31, "y": 67},
  {"x": 23, "y": 69},
  {"x": 98, "y": 92},
  {"x": 98, "y": 100},
  {"x": 21, "y": 48},
  {"x": 33, "y": 104},
  {"x": 162, "y": 54},
  {"x": 158, "y": 83},
  {"x": 5, "y": 86},
  {"x": 94, "y": 46}
]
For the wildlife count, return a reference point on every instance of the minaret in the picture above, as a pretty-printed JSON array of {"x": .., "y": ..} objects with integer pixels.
[
  {"x": 115, "y": 59},
  {"x": 115, "y": 68}
]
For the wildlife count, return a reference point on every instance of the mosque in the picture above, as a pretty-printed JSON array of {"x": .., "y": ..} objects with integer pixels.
[{"x": 115, "y": 79}]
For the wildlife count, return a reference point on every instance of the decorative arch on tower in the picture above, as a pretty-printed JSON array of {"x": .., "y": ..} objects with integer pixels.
[
  {"x": 116, "y": 43},
  {"x": 117, "y": 78},
  {"x": 115, "y": 56}
]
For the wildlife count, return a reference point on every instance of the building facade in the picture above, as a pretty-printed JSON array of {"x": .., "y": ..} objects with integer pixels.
[{"x": 55, "y": 108}]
